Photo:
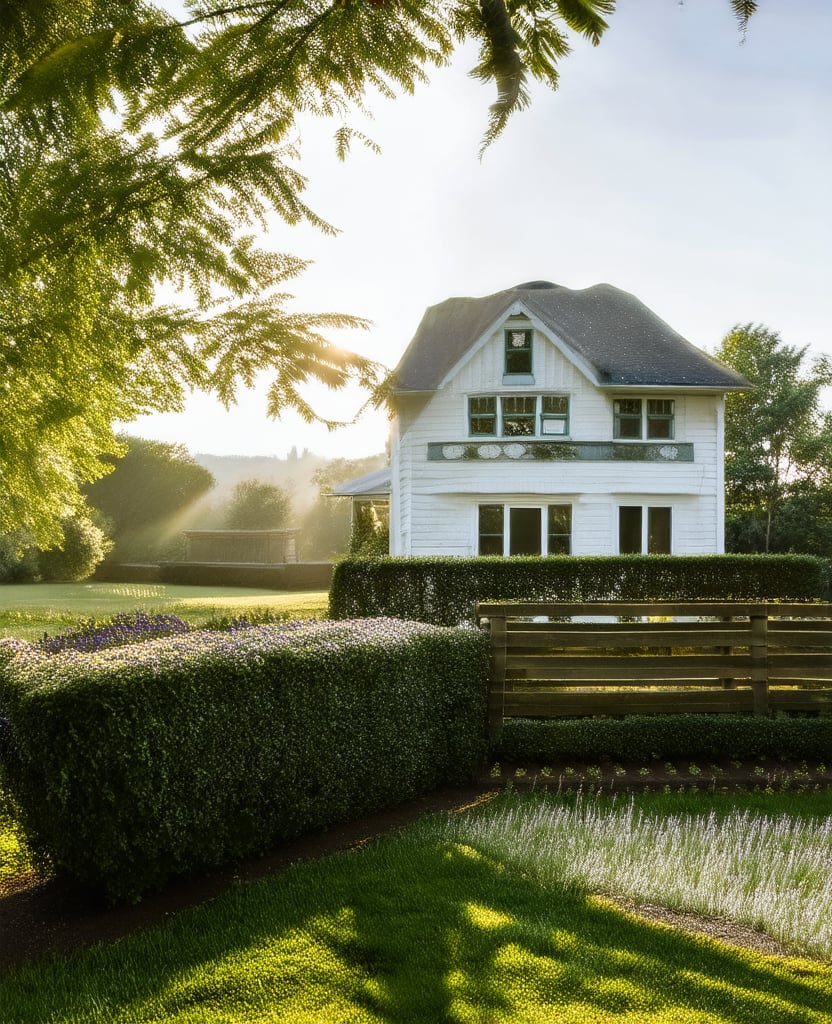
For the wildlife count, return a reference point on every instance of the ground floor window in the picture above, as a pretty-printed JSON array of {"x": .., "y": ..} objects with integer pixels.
[
  {"x": 643, "y": 529},
  {"x": 525, "y": 530}
]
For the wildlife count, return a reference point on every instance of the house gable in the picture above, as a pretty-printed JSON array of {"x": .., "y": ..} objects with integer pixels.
[
  {"x": 609, "y": 331},
  {"x": 518, "y": 315}
]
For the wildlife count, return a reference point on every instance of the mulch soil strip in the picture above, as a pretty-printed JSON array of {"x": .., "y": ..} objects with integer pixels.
[{"x": 41, "y": 917}]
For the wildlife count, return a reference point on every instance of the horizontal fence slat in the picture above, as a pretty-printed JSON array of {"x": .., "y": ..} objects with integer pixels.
[
  {"x": 800, "y": 638},
  {"x": 621, "y": 638},
  {"x": 800, "y": 700},
  {"x": 717, "y": 609},
  {"x": 554, "y": 682},
  {"x": 647, "y": 668},
  {"x": 556, "y": 705}
]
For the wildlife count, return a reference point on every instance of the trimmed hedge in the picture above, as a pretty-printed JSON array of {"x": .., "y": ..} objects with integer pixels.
[
  {"x": 642, "y": 737},
  {"x": 445, "y": 591},
  {"x": 138, "y": 763}
]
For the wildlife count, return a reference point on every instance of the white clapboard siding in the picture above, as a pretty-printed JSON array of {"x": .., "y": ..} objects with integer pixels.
[{"x": 434, "y": 510}]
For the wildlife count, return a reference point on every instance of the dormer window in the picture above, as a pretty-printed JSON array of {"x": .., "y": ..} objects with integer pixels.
[{"x": 518, "y": 351}]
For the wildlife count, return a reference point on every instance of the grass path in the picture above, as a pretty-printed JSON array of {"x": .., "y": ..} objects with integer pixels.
[
  {"x": 418, "y": 927},
  {"x": 27, "y": 610}
]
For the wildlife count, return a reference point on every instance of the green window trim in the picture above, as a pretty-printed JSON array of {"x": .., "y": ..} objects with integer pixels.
[
  {"x": 637, "y": 418},
  {"x": 661, "y": 415},
  {"x": 627, "y": 418},
  {"x": 554, "y": 415},
  {"x": 518, "y": 350},
  {"x": 482, "y": 416},
  {"x": 519, "y": 414}
]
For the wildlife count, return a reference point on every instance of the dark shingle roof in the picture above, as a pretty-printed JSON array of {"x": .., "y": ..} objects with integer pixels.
[{"x": 624, "y": 342}]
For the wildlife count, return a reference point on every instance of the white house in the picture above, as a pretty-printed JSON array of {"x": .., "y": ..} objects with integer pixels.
[{"x": 546, "y": 420}]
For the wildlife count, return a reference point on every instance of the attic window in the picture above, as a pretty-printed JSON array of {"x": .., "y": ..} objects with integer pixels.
[{"x": 518, "y": 350}]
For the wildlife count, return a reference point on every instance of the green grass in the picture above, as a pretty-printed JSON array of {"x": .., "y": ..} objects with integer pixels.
[
  {"x": 27, "y": 610},
  {"x": 421, "y": 927}
]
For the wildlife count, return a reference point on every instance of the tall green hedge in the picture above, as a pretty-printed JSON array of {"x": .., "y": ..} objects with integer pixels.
[
  {"x": 142, "y": 762},
  {"x": 445, "y": 591}
]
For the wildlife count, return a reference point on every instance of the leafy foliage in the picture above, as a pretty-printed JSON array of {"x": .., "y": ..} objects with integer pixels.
[
  {"x": 445, "y": 591},
  {"x": 83, "y": 546},
  {"x": 142, "y": 153},
  {"x": 134, "y": 764},
  {"x": 149, "y": 483},
  {"x": 370, "y": 531},
  {"x": 255, "y": 505},
  {"x": 326, "y": 525},
  {"x": 778, "y": 446}
]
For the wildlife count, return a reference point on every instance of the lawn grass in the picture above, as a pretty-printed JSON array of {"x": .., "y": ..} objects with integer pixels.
[
  {"x": 28, "y": 610},
  {"x": 422, "y": 926}
]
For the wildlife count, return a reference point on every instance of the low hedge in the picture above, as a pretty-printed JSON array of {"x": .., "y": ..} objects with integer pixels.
[
  {"x": 445, "y": 591},
  {"x": 642, "y": 737},
  {"x": 138, "y": 763}
]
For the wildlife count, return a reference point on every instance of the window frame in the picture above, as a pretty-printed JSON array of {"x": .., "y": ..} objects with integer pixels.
[
  {"x": 554, "y": 417},
  {"x": 546, "y": 534},
  {"x": 653, "y": 417},
  {"x": 537, "y": 418},
  {"x": 647, "y": 419},
  {"x": 648, "y": 528},
  {"x": 480, "y": 415},
  {"x": 512, "y": 350},
  {"x": 522, "y": 417}
]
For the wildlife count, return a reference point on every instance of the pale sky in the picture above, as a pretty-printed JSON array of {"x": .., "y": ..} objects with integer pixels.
[{"x": 673, "y": 162}]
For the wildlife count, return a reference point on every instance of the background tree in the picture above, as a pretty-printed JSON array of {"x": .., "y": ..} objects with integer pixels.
[
  {"x": 327, "y": 523},
  {"x": 148, "y": 487},
  {"x": 84, "y": 545},
  {"x": 137, "y": 150},
  {"x": 255, "y": 505},
  {"x": 778, "y": 446}
]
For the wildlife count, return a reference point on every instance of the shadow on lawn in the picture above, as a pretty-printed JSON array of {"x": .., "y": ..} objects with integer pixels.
[{"x": 441, "y": 934}]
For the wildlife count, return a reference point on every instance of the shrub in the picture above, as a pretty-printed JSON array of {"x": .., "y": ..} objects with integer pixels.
[
  {"x": 640, "y": 737},
  {"x": 117, "y": 631},
  {"x": 137, "y": 763},
  {"x": 85, "y": 545},
  {"x": 18, "y": 558},
  {"x": 445, "y": 591}
]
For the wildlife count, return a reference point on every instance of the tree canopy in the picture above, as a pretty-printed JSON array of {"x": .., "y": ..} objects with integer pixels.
[
  {"x": 141, "y": 152},
  {"x": 778, "y": 446},
  {"x": 256, "y": 505}
]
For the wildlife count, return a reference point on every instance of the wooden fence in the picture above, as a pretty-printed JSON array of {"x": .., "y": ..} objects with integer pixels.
[{"x": 657, "y": 658}]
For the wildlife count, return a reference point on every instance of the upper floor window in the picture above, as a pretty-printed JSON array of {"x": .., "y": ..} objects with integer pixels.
[
  {"x": 482, "y": 415},
  {"x": 636, "y": 418},
  {"x": 518, "y": 415},
  {"x": 554, "y": 414},
  {"x": 518, "y": 351}
]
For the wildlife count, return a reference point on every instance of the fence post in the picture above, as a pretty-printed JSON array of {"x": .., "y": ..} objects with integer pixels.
[
  {"x": 729, "y": 683},
  {"x": 497, "y": 674},
  {"x": 759, "y": 661}
]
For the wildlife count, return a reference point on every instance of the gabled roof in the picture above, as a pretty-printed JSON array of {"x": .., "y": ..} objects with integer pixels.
[
  {"x": 621, "y": 341},
  {"x": 372, "y": 484}
]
